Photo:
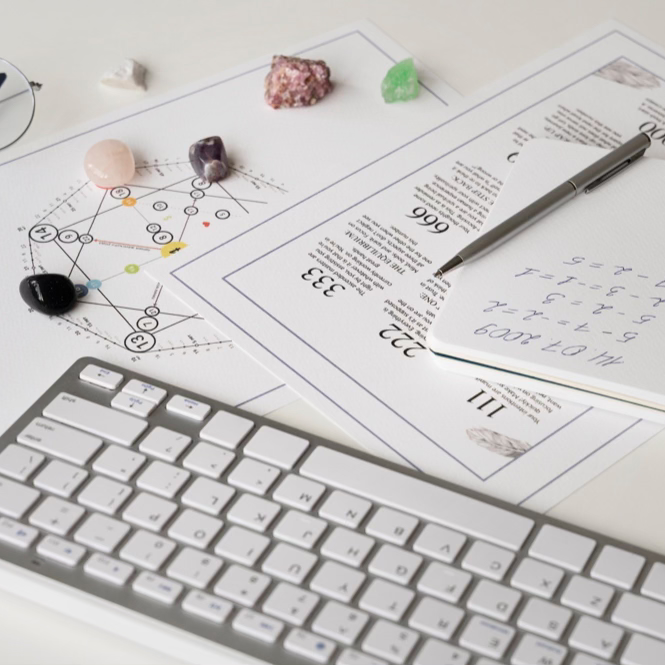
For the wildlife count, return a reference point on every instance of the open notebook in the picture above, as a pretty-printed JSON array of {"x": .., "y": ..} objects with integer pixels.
[{"x": 574, "y": 306}]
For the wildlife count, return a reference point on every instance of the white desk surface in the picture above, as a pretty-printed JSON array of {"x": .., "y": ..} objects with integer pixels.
[{"x": 68, "y": 44}]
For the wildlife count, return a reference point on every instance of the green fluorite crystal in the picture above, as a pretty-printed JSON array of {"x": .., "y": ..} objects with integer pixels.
[{"x": 400, "y": 83}]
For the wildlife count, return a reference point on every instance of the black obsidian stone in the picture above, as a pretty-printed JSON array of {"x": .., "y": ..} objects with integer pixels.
[{"x": 47, "y": 293}]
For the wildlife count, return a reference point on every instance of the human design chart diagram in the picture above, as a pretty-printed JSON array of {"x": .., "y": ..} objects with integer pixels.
[{"x": 103, "y": 239}]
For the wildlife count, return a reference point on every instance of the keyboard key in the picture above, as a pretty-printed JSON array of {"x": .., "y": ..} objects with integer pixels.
[
  {"x": 110, "y": 570},
  {"x": 299, "y": 492},
  {"x": 258, "y": 626},
  {"x": 583, "y": 659},
  {"x": 149, "y": 511},
  {"x": 137, "y": 406},
  {"x": 595, "y": 637},
  {"x": 194, "y": 568},
  {"x": 488, "y": 560},
  {"x": 163, "y": 479},
  {"x": 100, "y": 376},
  {"x": 309, "y": 646},
  {"x": 395, "y": 564},
  {"x": 353, "y": 657},
  {"x": 386, "y": 599},
  {"x": 145, "y": 391},
  {"x": 444, "y": 582},
  {"x": 337, "y": 581},
  {"x": 104, "y": 495},
  {"x": 165, "y": 444},
  {"x": 60, "y": 441},
  {"x": 438, "y": 653},
  {"x": 188, "y": 408},
  {"x": 60, "y": 478},
  {"x": 562, "y": 548},
  {"x": 289, "y": 563},
  {"x": 207, "y": 495},
  {"x": 290, "y": 603},
  {"x": 15, "y": 499},
  {"x": 439, "y": 543},
  {"x": 587, "y": 596},
  {"x": 119, "y": 463},
  {"x": 276, "y": 447},
  {"x": 253, "y": 512},
  {"x": 206, "y": 606},
  {"x": 101, "y": 421},
  {"x": 390, "y": 641},
  {"x": 533, "y": 649},
  {"x": 147, "y": 550},
  {"x": 640, "y": 614},
  {"x": 347, "y": 546},
  {"x": 18, "y": 462},
  {"x": 340, "y": 622},
  {"x": 241, "y": 546},
  {"x": 494, "y": 600},
  {"x": 537, "y": 578},
  {"x": 226, "y": 429},
  {"x": 643, "y": 650},
  {"x": 60, "y": 550},
  {"x": 194, "y": 528},
  {"x": 101, "y": 532},
  {"x": 618, "y": 567},
  {"x": 487, "y": 637},
  {"x": 299, "y": 529},
  {"x": 543, "y": 618},
  {"x": 654, "y": 584},
  {"x": 417, "y": 497},
  {"x": 242, "y": 585},
  {"x": 391, "y": 525},
  {"x": 253, "y": 476},
  {"x": 157, "y": 587},
  {"x": 436, "y": 618},
  {"x": 56, "y": 515},
  {"x": 16, "y": 534},
  {"x": 209, "y": 460},
  {"x": 345, "y": 509}
]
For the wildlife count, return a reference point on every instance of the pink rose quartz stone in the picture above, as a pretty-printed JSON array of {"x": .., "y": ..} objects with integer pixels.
[
  {"x": 109, "y": 164},
  {"x": 296, "y": 82}
]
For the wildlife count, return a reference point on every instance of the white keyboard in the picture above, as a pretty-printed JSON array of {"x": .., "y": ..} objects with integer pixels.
[{"x": 167, "y": 510}]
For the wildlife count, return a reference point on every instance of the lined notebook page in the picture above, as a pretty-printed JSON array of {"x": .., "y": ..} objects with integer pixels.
[{"x": 580, "y": 296}]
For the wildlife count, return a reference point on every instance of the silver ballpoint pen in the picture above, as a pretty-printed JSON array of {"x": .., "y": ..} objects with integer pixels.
[{"x": 584, "y": 181}]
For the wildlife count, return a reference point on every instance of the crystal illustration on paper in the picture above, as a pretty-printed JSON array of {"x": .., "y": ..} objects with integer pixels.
[
  {"x": 497, "y": 443},
  {"x": 626, "y": 73}
]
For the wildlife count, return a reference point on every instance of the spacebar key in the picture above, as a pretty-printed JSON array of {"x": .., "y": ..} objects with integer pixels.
[
  {"x": 418, "y": 497},
  {"x": 95, "y": 418}
]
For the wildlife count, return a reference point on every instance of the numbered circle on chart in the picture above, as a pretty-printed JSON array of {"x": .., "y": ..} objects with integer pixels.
[
  {"x": 200, "y": 183},
  {"x": 163, "y": 238},
  {"x": 160, "y": 206},
  {"x": 147, "y": 323},
  {"x": 191, "y": 210},
  {"x": 151, "y": 311},
  {"x": 120, "y": 192},
  {"x": 140, "y": 342},
  {"x": 43, "y": 233},
  {"x": 197, "y": 194},
  {"x": 68, "y": 235},
  {"x": 153, "y": 228},
  {"x": 86, "y": 238},
  {"x": 222, "y": 214}
]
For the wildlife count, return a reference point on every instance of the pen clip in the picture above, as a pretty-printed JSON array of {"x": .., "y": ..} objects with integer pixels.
[{"x": 612, "y": 172}]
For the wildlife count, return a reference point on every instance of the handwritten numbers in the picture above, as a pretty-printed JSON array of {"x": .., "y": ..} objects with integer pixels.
[
  {"x": 527, "y": 271},
  {"x": 428, "y": 219},
  {"x": 553, "y": 297},
  {"x": 622, "y": 269},
  {"x": 645, "y": 318},
  {"x": 659, "y": 301},
  {"x": 496, "y": 304},
  {"x": 627, "y": 337},
  {"x": 614, "y": 290},
  {"x": 601, "y": 307},
  {"x": 575, "y": 261}
]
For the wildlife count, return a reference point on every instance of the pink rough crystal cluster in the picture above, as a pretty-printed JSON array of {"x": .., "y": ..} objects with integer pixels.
[{"x": 296, "y": 82}]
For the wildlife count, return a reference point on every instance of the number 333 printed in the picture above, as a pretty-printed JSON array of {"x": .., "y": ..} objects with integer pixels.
[{"x": 319, "y": 280}]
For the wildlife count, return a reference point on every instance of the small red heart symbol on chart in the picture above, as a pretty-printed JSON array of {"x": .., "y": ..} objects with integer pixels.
[{"x": 206, "y": 224}]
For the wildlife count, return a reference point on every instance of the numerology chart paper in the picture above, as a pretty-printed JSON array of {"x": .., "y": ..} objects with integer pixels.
[
  {"x": 55, "y": 220},
  {"x": 337, "y": 296}
]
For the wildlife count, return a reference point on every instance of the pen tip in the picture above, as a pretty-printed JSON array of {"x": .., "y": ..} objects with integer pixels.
[{"x": 450, "y": 265}]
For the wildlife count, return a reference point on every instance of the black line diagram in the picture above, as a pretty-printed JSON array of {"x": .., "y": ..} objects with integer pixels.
[{"x": 103, "y": 239}]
